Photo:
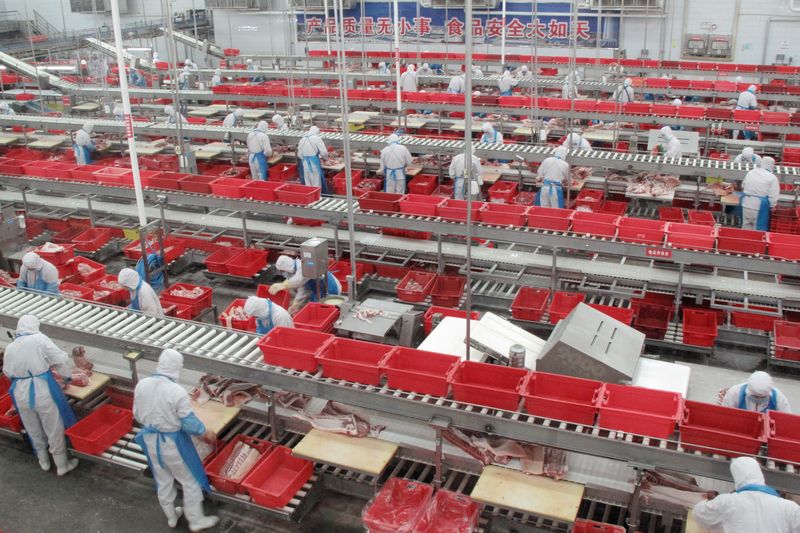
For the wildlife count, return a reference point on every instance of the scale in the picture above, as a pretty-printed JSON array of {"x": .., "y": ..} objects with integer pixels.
[{"x": 400, "y": 324}]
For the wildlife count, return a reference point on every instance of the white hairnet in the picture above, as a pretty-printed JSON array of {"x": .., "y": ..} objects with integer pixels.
[
  {"x": 239, "y": 112},
  {"x": 262, "y": 126},
  {"x": 487, "y": 127},
  {"x": 393, "y": 138},
  {"x": 677, "y": 101},
  {"x": 129, "y": 278},
  {"x": 255, "y": 306},
  {"x": 27, "y": 325},
  {"x": 313, "y": 130},
  {"x": 746, "y": 471},
  {"x": 411, "y": 67},
  {"x": 748, "y": 152},
  {"x": 628, "y": 82},
  {"x": 768, "y": 163},
  {"x": 752, "y": 88},
  {"x": 186, "y": 68},
  {"x": 666, "y": 131},
  {"x": 170, "y": 363},
  {"x": 169, "y": 110},
  {"x": 561, "y": 152},
  {"x": 425, "y": 66},
  {"x": 249, "y": 61},
  {"x": 759, "y": 384},
  {"x": 218, "y": 72},
  {"x": 187, "y": 62},
  {"x": 278, "y": 120},
  {"x": 32, "y": 261},
  {"x": 285, "y": 263},
  {"x": 381, "y": 64},
  {"x": 83, "y": 62},
  {"x": 88, "y": 127},
  {"x": 4, "y": 105},
  {"x": 524, "y": 68},
  {"x": 739, "y": 79}
]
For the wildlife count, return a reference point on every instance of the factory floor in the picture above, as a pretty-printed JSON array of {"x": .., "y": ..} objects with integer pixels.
[{"x": 96, "y": 498}]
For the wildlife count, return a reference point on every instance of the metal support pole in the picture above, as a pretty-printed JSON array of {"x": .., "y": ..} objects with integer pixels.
[
  {"x": 554, "y": 272},
  {"x": 439, "y": 424},
  {"x": 468, "y": 167},
  {"x": 245, "y": 234},
  {"x": 633, "y": 509},
  {"x": 132, "y": 357}
]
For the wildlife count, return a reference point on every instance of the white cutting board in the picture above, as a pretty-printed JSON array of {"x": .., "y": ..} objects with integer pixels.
[
  {"x": 362, "y": 454},
  {"x": 448, "y": 338},
  {"x": 661, "y": 375},
  {"x": 498, "y": 335}
]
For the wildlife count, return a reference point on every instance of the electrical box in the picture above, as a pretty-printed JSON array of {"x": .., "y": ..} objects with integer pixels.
[
  {"x": 695, "y": 45},
  {"x": 314, "y": 258},
  {"x": 719, "y": 46}
]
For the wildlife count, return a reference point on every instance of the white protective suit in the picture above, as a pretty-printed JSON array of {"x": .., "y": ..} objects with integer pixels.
[
  {"x": 172, "y": 116},
  {"x": 748, "y": 157},
  {"x": 506, "y": 83},
  {"x": 163, "y": 407},
  {"x": 747, "y": 100},
  {"x": 623, "y": 93},
  {"x": 33, "y": 354},
  {"x": 576, "y": 141},
  {"x": 457, "y": 84},
  {"x": 37, "y": 274},
  {"x": 673, "y": 146},
  {"x": 491, "y": 135},
  {"x": 5, "y": 109},
  {"x": 394, "y": 159},
  {"x": 553, "y": 169},
  {"x": 476, "y": 72},
  {"x": 216, "y": 79},
  {"x": 751, "y": 508},
  {"x": 268, "y": 314},
  {"x": 184, "y": 77},
  {"x": 259, "y": 150},
  {"x": 759, "y": 182},
  {"x": 312, "y": 150},
  {"x": 84, "y": 145},
  {"x": 456, "y": 172},
  {"x": 425, "y": 70},
  {"x": 143, "y": 297},
  {"x": 233, "y": 118},
  {"x": 570, "y": 87},
  {"x": 408, "y": 80},
  {"x": 758, "y": 391},
  {"x": 279, "y": 122},
  {"x": 292, "y": 271}
]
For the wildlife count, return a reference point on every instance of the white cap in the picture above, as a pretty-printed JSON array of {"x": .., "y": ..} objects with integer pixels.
[
  {"x": 27, "y": 325},
  {"x": 381, "y": 64},
  {"x": 128, "y": 278},
  {"x": 88, "y": 127},
  {"x": 83, "y": 62},
  {"x": 284, "y": 263},
  {"x": 411, "y": 67},
  {"x": 249, "y": 61},
  {"x": 169, "y": 110},
  {"x": 238, "y": 112},
  {"x": 628, "y": 82},
  {"x": 752, "y": 88},
  {"x": 170, "y": 363},
  {"x": 262, "y": 126},
  {"x": 561, "y": 152},
  {"x": 748, "y": 152},
  {"x": 32, "y": 261},
  {"x": 187, "y": 61},
  {"x": 425, "y": 66},
  {"x": 746, "y": 471},
  {"x": 767, "y": 163},
  {"x": 218, "y": 72},
  {"x": 666, "y": 131},
  {"x": 487, "y": 127},
  {"x": 278, "y": 120},
  {"x": 759, "y": 384},
  {"x": 524, "y": 68},
  {"x": 313, "y": 130},
  {"x": 255, "y": 306},
  {"x": 677, "y": 102}
]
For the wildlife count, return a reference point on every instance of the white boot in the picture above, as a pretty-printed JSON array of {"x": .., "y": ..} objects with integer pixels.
[
  {"x": 44, "y": 460},
  {"x": 197, "y": 520},
  {"x": 64, "y": 465},
  {"x": 173, "y": 515}
]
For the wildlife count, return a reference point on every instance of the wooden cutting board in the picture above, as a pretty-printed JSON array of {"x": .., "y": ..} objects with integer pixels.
[
  {"x": 96, "y": 382},
  {"x": 693, "y": 527},
  {"x": 215, "y": 415},
  {"x": 364, "y": 455},
  {"x": 538, "y": 495}
]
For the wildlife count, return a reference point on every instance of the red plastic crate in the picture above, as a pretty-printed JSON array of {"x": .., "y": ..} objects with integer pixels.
[
  {"x": 227, "y": 187},
  {"x": 639, "y": 410},
  {"x": 624, "y": 315},
  {"x": 530, "y": 303},
  {"x": 196, "y": 183},
  {"x": 589, "y": 526},
  {"x": 78, "y": 292},
  {"x": 561, "y": 397},
  {"x": 691, "y": 236},
  {"x": 92, "y": 239},
  {"x": 228, "y": 485},
  {"x": 549, "y": 218},
  {"x": 112, "y": 175},
  {"x": 589, "y": 198},
  {"x": 276, "y": 479},
  {"x": 724, "y": 430},
  {"x": 784, "y": 245},
  {"x": 57, "y": 258},
  {"x": 173, "y": 249},
  {"x": 423, "y": 184},
  {"x": 341, "y": 269},
  {"x": 651, "y": 319},
  {"x": 5, "y": 385},
  {"x": 12, "y": 422},
  {"x": 503, "y": 214},
  {"x": 420, "y": 204},
  {"x": 671, "y": 214},
  {"x": 699, "y": 327},
  {"x": 613, "y": 208},
  {"x": 425, "y": 279},
  {"x": 116, "y": 296},
  {"x": 382, "y": 202},
  {"x": 353, "y": 360},
  {"x": 38, "y": 169},
  {"x": 398, "y": 506},
  {"x": 418, "y": 371},
  {"x": 220, "y": 260},
  {"x": 641, "y": 230},
  {"x": 176, "y": 310},
  {"x": 169, "y": 181},
  {"x": 743, "y": 319},
  {"x": 742, "y": 241},
  {"x": 485, "y": 384},
  {"x": 597, "y": 224},
  {"x": 317, "y": 317},
  {"x": 787, "y": 339},
  {"x": 34, "y": 228},
  {"x": 197, "y": 303},
  {"x": 703, "y": 218},
  {"x": 99, "y": 431},
  {"x": 226, "y": 320},
  {"x": 247, "y": 263},
  {"x": 293, "y": 348},
  {"x": 436, "y": 311},
  {"x": 563, "y": 303},
  {"x": 452, "y": 209},
  {"x": 447, "y": 290},
  {"x": 282, "y": 298},
  {"x": 783, "y": 441},
  {"x": 292, "y": 193},
  {"x": 502, "y": 191},
  {"x": 449, "y": 512}
]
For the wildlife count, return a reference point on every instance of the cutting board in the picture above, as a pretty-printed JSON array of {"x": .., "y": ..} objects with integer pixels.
[
  {"x": 215, "y": 415},
  {"x": 364, "y": 455},
  {"x": 693, "y": 527},
  {"x": 204, "y": 112},
  {"x": 88, "y": 106},
  {"x": 538, "y": 495},
  {"x": 206, "y": 154},
  {"x": 255, "y": 114},
  {"x": 96, "y": 382},
  {"x": 48, "y": 142},
  {"x": 5, "y": 140},
  {"x": 409, "y": 123}
]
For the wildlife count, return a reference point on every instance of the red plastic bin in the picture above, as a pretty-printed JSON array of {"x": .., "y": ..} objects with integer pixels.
[
  {"x": 503, "y": 214},
  {"x": 77, "y": 292},
  {"x": 59, "y": 257},
  {"x": 92, "y": 239},
  {"x": 699, "y": 327},
  {"x": 725, "y": 430},
  {"x": 743, "y": 319},
  {"x": 226, "y": 320},
  {"x": 639, "y": 410},
  {"x": 503, "y": 191},
  {"x": 420, "y": 204},
  {"x": 262, "y": 191},
  {"x": 549, "y": 218},
  {"x": 783, "y": 441},
  {"x": 589, "y": 526},
  {"x": 418, "y": 370},
  {"x": 597, "y": 224},
  {"x": 530, "y": 303},
  {"x": 275, "y": 480},
  {"x": 703, "y": 218},
  {"x": 196, "y": 183},
  {"x": 641, "y": 230},
  {"x": 226, "y": 484},
  {"x": 381, "y": 202},
  {"x": 784, "y": 245},
  {"x": 623, "y": 314},
  {"x": 787, "y": 340},
  {"x": 353, "y": 360},
  {"x": 13, "y": 421},
  {"x": 218, "y": 261},
  {"x": 436, "y": 311},
  {"x": 449, "y": 512},
  {"x": 293, "y": 193},
  {"x": 485, "y": 384},
  {"x": 282, "y": 172},
  {"x": 247, "y": 263},
  {"x": 173, "y": 249},
  {"x": 197, "y": 303},
  {"x": 409, "y": 293},
  {"x": 227, "y": 187},
  {"x": 692, "y": 236},
  {"x": 293, "y": 348},
  {"x": 447, "y": 290},
  {"x": 671, "y": 214},
  {"x": 398, "y": 506},
  {"x": 589, "y": 198},
  {"x": 561, "y": 397},
  {"x": 742, "y": 241},
  {"x": 563, "y": 303},
  {"x": 316, "y": 316},
  {"x": 97, "y": 432}
]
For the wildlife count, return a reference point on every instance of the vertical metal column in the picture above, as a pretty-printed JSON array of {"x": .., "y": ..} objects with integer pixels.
[{"x": 468, "y": 169}]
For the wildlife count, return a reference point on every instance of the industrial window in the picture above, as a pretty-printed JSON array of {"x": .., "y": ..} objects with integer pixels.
[
  {"x": 632, "y": 5},
  {"x": 91, "y": 6},
  {"x": 455, "y": 4},
  {"x": 316, "y": 5}
]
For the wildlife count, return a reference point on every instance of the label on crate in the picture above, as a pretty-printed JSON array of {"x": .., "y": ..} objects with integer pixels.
[
  {"x": 659, "y": 253},
  {"x": 751, "y": 127}
]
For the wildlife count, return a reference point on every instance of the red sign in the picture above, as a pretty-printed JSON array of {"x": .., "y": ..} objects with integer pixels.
[
  {"x": 659, "y": 253},
  {"x": 128, "y": 126},
  {"x": 751, "y": 127}
]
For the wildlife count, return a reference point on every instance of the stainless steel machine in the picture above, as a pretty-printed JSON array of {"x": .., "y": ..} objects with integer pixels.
[{"x": 12, "y": 234}]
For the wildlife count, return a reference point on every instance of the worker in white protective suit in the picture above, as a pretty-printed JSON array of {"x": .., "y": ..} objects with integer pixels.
[
  {"x": 383, "y": 68},
  {"x": 118, "y": 112},
  {"x": 279, "y": 122},
  {"x": 425, "y": 70},
  {"x": 677, "y": 102},
  {"x": 570, "y": 87},
  {"x": 29, "y": 363},
  {"x": 6, "y": 110},
  {"x": 576, "y": 141},
  {"x": 760, "y": 193},
  {"x": 163, "y": 409},
  {"x": 184, "y": 78},
  {"x": 36, "y": 274},
  {"x": 252, "y": 67},
  {"x": 672, "y": 147},
  {"x": 268, "y": 314},
  {"x": 506, "y": 83},
  {"x": 491, "y": 135},
  {"x": 758, "y": 393},
  {"x": 143, "y": 297},
  {"x": 189, "y": 63},
  {"x": 554, "y": 172},
  {"x": 457, "y": 171},
  {"x": 408, "y": 79},
  {"x": 136, "y": 78},
  {"x": 234, "y": 118},
  {"x": 748, "y": 157},
  {"x": 84, "y": 146},
  {"x": 172, "y": 116},
  {"x": 216, "y": 79},
  {"x": 259, "y": 150},
  {"x": 752, "y": 507},
  {"x": 394, "y": 159},
  {"x": 522, "y": 72},
  {"x": 623, "y": 93},
  {"x": 476, "y": 71},
  {"x": 306, "y": 290},
  {"x": 747, "y": 100},
  {"x": 311, "y": 150},
  {"x": 457, "y": 84}
]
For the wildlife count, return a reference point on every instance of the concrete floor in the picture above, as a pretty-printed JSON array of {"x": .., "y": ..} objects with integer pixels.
[{"x": 97, "y": 498}]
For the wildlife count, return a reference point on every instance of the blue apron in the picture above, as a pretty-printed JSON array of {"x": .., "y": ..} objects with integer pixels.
[
  {"x": 394, "y": 174},
  {"x": 772, "y": 405},
  {"x": 312, "y": 164},
  {"x": 485, "y": 138},
  {"x": 185, "y": 447},
  {"x": 262, "y": 328},
  {"x": 762, "y": 220},
  {"x": 333, "y": 288},
  {"x": 135, "y": 297},
  {"x": 260, "y": 160},
  {"x": 754, "y": 487},
  {"x": 39, "y": 284},
  {"x": 550, "y": 185},
  {"x": 83, "y": 154},
  {"x": 458, "y": 187},
  {"x": 509, "y": 92}
]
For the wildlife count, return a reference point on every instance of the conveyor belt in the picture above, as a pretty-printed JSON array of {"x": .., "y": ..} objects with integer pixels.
[
  {"x": 30, "y": 71},
  {"x": 199, "y": 44}
]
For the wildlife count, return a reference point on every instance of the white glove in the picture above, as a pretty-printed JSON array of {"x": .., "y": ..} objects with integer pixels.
[{"x": 277, "y": 287}]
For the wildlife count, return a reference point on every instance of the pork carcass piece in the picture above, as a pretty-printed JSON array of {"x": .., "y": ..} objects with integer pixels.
[
  {"x": 80, "y": 360},
  {"x": 325, "y": 415}
]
